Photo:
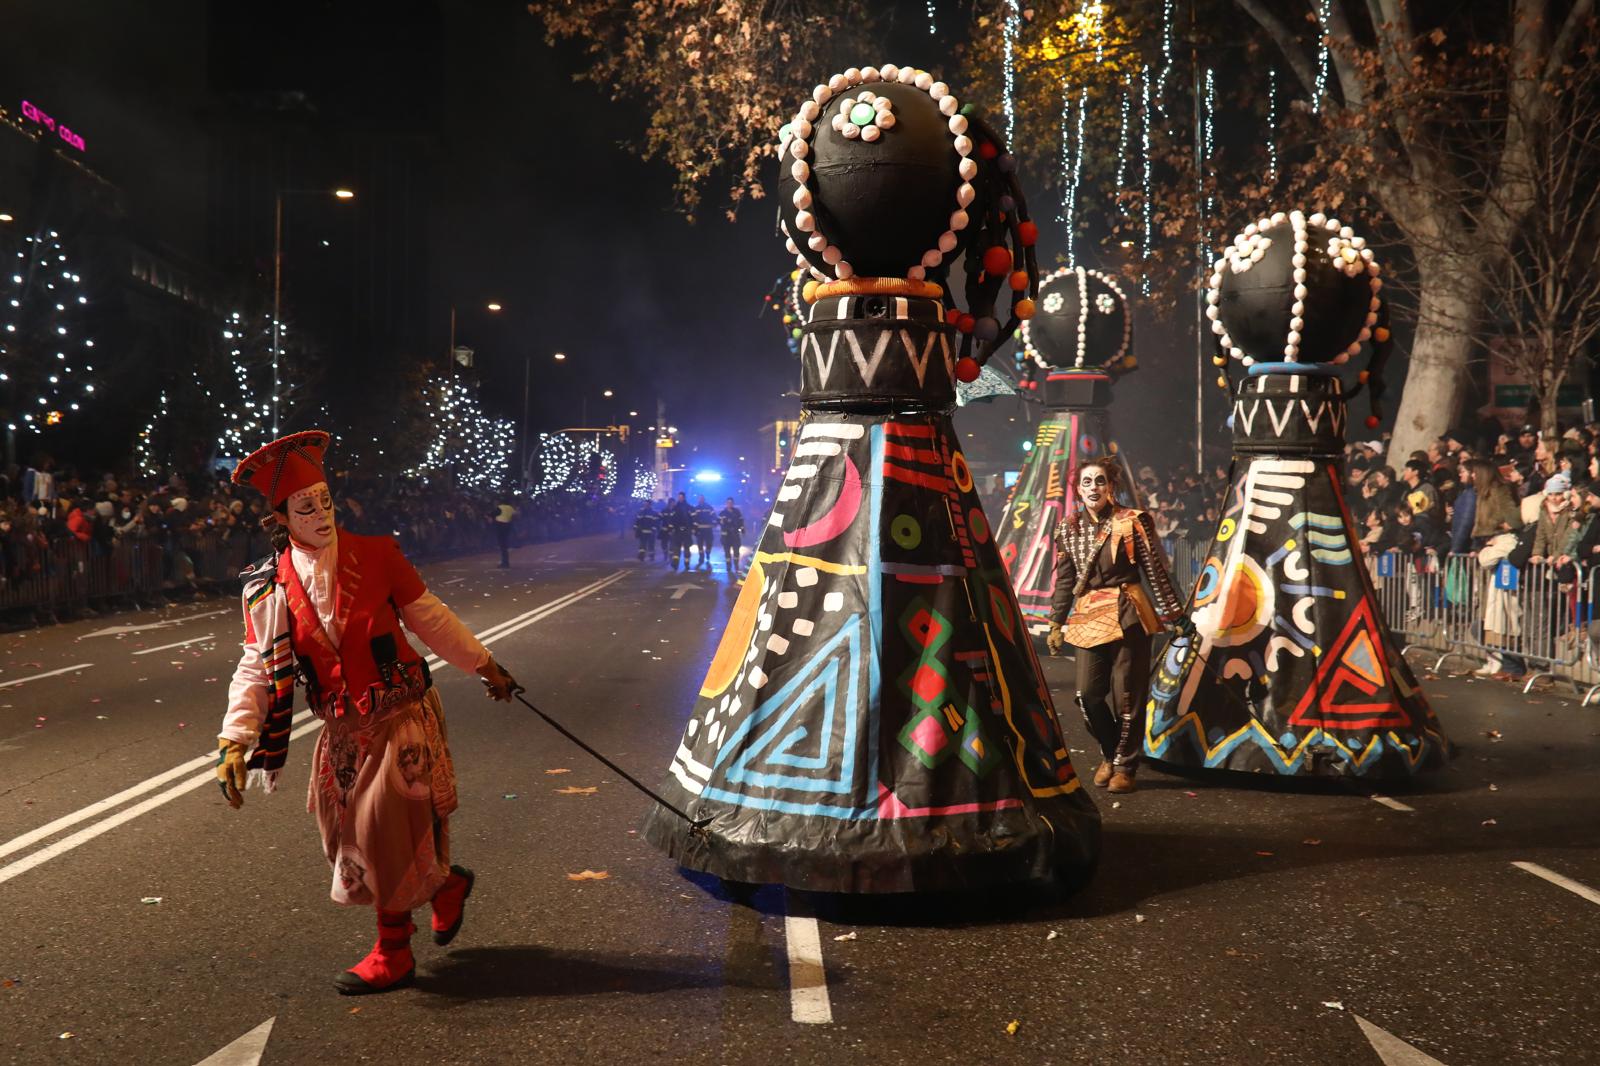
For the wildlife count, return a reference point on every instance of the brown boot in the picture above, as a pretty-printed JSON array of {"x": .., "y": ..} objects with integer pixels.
[
  {"x": 1102, "y": 774},
  {"x": 1122, "y": 781}
]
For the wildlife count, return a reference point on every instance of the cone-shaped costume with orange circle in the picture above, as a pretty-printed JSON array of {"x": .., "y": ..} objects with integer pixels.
[
  {"x": 874, "y": 719},
  {"x": 1292, "y": 669}
]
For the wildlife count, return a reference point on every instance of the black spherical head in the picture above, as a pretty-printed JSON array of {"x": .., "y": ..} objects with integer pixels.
[
  {"x": 876, "y": 179},
  {"x": 1294, "y": 289},
  {"x": 1081, "y": 319}
]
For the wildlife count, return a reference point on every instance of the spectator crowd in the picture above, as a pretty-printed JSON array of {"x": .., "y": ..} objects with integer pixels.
[{"x": 201, "y": 529}]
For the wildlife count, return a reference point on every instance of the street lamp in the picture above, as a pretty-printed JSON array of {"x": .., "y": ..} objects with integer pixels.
[
  {"x": 492, "y": 307},
  {"x": 277, "y": 279},
  {"x": 561, "y": 357},
  {"x": 6, "y": 216},
  {"x": 608, "y": 394}
]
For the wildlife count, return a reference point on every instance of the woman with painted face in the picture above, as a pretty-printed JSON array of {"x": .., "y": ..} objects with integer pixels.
[
  {"x": 1101, "y": 607},
  {"x": 333, "y": 609}
]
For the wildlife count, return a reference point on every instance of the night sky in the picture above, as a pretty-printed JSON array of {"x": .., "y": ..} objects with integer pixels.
[{"x": 537, "y": 206}]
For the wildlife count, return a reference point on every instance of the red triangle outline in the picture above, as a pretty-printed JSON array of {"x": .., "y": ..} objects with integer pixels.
[{"x": 1317, "y": 707}]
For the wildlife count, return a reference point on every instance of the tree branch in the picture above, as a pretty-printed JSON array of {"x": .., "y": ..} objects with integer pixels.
[{"x": 1285, "y": 39}]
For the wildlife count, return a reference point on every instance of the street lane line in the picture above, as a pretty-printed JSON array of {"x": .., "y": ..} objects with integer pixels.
[
  {"x": 105, "y": 825},
  {"x": 1577, "y": 888},
  {"x": 51, "y": 673},
  {"x": 178, "y": 644},
  {"x": 303, "y": 719},
  {"x": 1392, "y": 804},
  {"x": 808, "y": 981},
  {"x": 245, "y": 1051},
  {"x": 1391, "y": 1049},
  {"x": 165, "y": 623}
]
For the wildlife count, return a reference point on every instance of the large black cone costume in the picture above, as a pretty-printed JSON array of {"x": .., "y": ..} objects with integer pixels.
[
  {"x": 1292, "y": 669},
  {"x": 1078, "y": 343},
  {"x": 874, "y": 719}
]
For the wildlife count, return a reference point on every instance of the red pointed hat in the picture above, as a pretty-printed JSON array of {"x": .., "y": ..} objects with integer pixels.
[{"x": 284, "y": 467}]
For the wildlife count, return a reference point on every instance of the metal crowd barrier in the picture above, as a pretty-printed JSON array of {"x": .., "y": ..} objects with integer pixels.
[{"x": 1455, "y": 605}]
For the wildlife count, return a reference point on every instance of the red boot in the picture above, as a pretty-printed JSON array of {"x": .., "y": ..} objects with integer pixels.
[
  {"x": 389, "y": 965},
  {"x": 449, "y": 904}
]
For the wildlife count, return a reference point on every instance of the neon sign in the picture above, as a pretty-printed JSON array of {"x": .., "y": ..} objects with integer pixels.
[{"x": 34, "y": 114}]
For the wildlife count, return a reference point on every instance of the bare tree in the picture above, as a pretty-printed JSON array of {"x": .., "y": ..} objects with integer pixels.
[
  {"x": 1446, "y": 122},
  {"x": 1546, "y": 292}
]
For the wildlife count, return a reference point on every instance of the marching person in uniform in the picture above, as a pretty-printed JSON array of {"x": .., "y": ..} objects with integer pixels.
[
  {"x": 1100, "y": 607},
  {"x": 732, "y": 522},
  {"x": 678, "y": 522},
  {"x": 705, "y": 520},
  {"x": 333, "y": 608},
  {"x": 644, "y": 529}
]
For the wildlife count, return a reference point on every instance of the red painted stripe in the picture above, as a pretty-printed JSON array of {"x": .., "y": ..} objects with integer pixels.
[
  {"x": 915, "y": 455},
  {"x": 936, "y": 482},
  {"x": 904, "y": 429}
]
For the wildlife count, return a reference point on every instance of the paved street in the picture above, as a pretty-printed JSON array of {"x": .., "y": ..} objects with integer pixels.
[{"x": 146, "y": 922}]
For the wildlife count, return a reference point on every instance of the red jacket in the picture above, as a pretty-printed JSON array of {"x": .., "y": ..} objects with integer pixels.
[
  {"x": 79, "y": 525},
  {"x": 374, "y": 581}
]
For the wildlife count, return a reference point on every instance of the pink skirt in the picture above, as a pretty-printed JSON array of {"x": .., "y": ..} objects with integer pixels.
[{"x": 383, "y": 790}]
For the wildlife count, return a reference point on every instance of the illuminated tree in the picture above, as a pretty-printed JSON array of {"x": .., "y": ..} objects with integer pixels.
[
  {"x": 463, "y": 442},
  {"x": 47, "y": 356}
]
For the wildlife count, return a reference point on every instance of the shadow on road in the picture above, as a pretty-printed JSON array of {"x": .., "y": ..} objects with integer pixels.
[{"x": 532, "y": 971}]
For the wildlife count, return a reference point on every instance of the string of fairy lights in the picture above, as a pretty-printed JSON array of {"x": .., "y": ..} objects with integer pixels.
[
  {"x": 644, "y": 478},
  {"x": 933, "y": 29},
  {"x": 1013, "y": 25},
  {"x": 144, "y": 447},
  {"x": 1146, "y": 208},
  {"x": 44, "y": 298},
  {"x": 1272, "y": 125},
  {"x": 1322, "y": 56}
]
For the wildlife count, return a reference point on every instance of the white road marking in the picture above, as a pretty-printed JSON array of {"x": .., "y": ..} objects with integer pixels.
[
  {"x": 808, "y": 981},
  {"x": 245, "y": 1051},
  {"x": 178, "y": 644},
  {"x": 1577, "y": 888},
  {"x": 166, "y": 623},
  {"x": 453, "y": 581},
  {"x": 1391, "y": 1049},
  {"x": 304, "y": 720},
  {"x": 48, "y": 673},
  {"x": 1392, "y": 804},
  {"x": 679, "y": 590}
]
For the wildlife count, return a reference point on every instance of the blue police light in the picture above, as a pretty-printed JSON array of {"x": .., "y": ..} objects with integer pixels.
[{"x": 707, "y": 477}]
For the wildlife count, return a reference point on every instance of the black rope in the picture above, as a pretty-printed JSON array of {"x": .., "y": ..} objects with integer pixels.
[{"x": 696, "y": 825}]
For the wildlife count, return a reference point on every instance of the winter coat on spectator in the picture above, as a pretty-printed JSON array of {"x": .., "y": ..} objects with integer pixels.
[
  {"x": 79, "y": 525},
  {"x": 1466, "y": 513},
  {"x": 1495, "y": 509}
]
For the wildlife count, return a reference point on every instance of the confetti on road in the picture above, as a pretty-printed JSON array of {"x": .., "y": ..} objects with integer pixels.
[
  {"x": 1012, "y": 1027},
  {"x": 577, "y": 790},
  {"x": 846, "y": 936},
  {"x": 1492, "y": 734},
  {"x": 1266, "y": 854},
  {"x": 150, "y": 899},
  {"x": 589, "y": 875},
  {"x": 1192, "y": 795},
  {"x": 560, "y": 770},
  {"x": 510, "y": 795},
  {"x": 1051, "y": 935},
  {"x": 1311, "y": 841},
  {"x": 1490, "y": 821},
  {"x": 1138, "y": 918},
  {"x": 1333, "y": 1004}
]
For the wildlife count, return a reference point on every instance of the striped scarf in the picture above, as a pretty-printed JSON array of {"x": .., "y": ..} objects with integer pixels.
[{"x": 268, "y": 611}]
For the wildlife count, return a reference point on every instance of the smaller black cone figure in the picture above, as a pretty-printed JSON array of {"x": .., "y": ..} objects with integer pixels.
[
  {"x": 874, "y": 719},
  {"x": 1078, "y": 343},
  {"x": 1291, "y": 669}
]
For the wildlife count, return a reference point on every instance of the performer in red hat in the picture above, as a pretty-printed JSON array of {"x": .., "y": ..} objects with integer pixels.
[{"x": 330, "y": 607}]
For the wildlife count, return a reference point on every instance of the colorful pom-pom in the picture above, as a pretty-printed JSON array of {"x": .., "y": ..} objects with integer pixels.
[
  {"x": 808, "y": 291},
  {"x": 965, "y": 323},
  {"x": 1023, "y": 309},
  {"x": 1372, "y": 421},
  {"x": 953, "y": 316},
  {"x": 986, "y": 329},
  {"x": 987, "y": 150},
  {"x": 795, "y": 333},
  {"x": 997, "y": 260},
  {"x": 1028, "y": 233},
  {"x": 1362, "y": 377},
  {"x": 1219, "y": 360},
  {"x": 1019, "y": 280},
  {"x": 967, "y": 369},
  {"x": 1380, "y": 334},
  {"x": 1222, "y": 382},
  {"x": 1130, "y": 362}
]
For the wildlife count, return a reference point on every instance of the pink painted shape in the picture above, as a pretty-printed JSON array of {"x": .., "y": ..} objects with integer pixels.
[
  {"x": 929, "y": 736},
  {"x": 889, "y": 806},
  {"x": 838, "y": 519}
]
